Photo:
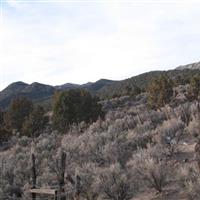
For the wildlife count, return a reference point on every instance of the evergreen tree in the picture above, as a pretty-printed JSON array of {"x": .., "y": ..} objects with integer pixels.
[
  {"x": 18, "y": 111},
  {"x": 35, "y": 122},
  {"x": 194, "y": 89},
  {"x": 160, "y": 92},
  {"x": 74, "y": 106}
]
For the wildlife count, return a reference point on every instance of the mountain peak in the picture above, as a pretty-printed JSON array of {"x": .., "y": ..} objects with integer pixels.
[{"x": 17, "y": 84}]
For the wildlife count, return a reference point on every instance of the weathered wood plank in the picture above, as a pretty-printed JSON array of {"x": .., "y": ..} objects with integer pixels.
[{"x": 43, "y": 191}]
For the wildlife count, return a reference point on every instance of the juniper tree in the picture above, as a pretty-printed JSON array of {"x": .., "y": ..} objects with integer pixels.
[{"x": 160, "y": 92}]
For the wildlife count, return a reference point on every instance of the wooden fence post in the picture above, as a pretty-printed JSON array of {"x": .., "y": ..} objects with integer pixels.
[
  {"x": 34, "y": 176},
  {"x": 62, "y": 175},
  {"x": 56, "y": 195}
]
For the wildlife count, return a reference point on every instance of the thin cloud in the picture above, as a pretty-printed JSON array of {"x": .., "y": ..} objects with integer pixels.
[{"x": 84, "y": 41}]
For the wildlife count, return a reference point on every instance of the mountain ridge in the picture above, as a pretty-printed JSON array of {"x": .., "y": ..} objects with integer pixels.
[
  {"x": 103, "y": 88},
  {"x": 40, "y": 93},
  {"x": 195, "y": 65}
]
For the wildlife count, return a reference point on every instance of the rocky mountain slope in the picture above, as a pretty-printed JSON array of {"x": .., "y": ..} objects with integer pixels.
[{"x": 190, "y": 66}]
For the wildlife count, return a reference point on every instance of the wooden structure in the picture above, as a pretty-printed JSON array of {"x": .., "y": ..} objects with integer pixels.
[
  {"x": 49, "y": 192},
  {"x": 42, "y": 191}
]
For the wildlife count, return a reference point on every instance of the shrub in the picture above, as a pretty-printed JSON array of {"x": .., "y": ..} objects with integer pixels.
[
  {"x": 170, "y": 133},
  {"x": 115, "y": 184},
  {"x": 194, "y": 127},
  {"x": 190, "y": 180},
  {"x": 152, "y": 170},
  {"x": 89, "y": 185},
  {"x": 185, "y": 113}
]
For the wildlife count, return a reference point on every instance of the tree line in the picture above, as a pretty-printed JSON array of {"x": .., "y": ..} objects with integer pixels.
[
  {"x": 78, "y": 105},
  {"x": 69, "y": 107}
]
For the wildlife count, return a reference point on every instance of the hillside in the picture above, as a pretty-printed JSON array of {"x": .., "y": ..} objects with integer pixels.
[
  {"x": 117, "y": 148},
  {"x": 142, "y": 81},
  {"x": 103, "y": 88},
  {"x": 134, "y": 153},
  {"x": 92, "y": 87},
  {"x": 36, "y": 92},
  {"x": 41, "y": 93},
  {"x": 189, "y": 66}
]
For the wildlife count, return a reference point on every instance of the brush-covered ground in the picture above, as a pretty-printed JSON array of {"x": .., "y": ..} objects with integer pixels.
[{"x": 134, "y": 153}]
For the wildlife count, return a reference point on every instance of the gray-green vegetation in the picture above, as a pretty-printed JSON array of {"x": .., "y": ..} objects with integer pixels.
[{"x": 131, "y": 152}]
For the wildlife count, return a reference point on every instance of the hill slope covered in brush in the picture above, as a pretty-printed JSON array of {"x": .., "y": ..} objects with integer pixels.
[{"x": 104, "y": 88}]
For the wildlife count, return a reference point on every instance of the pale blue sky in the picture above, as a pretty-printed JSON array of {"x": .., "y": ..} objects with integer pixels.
[{"x": 55, "y": 42}]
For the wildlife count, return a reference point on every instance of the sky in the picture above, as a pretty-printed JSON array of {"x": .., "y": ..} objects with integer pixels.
[{"x": 78, "y": 41}]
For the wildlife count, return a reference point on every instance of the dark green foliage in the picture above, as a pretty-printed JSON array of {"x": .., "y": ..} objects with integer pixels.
[
  {"x": 35, "y": 122},
  {"x": 160, "y": 92},
  {"x": 22, "y": 116},
  {"x": 132, "y": 90},
  {"x": 4, "y": 134},
  {"x": 18, "y": 111},
  {"x": 179, "y": 77},
  {"x": 194, "y": 90},
  {"x": 1, "y": 118},
  {"x": 74, "y": 106}
]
